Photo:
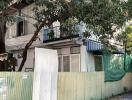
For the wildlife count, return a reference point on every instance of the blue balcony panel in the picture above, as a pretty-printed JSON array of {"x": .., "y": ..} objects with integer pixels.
[{"x": 94, "y": 46}]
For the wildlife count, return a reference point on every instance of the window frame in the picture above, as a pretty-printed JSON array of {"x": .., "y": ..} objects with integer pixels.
[
  {"x": 79, "y": 70},
  {"x": 62, "y": 66},
  {"x": 101, "y": 62},
  {"x": 63, "y": 63},
  {"x": 17, "y": 28}
]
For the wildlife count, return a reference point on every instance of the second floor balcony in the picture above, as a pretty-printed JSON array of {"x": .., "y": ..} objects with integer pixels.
[{"x": 60, "y": 33}]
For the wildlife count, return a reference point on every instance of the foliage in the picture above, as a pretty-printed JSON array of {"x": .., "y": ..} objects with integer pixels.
[
  {"x": 102, "y": 15},
  {"x": 99, "y": 15},
  {"x": 4, "y": 4},
  {"x": 126, "y": 38},
  {"x": 4, "y": 16},
  {"x": 51, "y": 34},
  {"x": 53, "y": 10},
  {"x": 129, "y": 38}
]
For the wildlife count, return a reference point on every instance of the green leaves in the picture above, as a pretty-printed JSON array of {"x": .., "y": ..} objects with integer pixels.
[
  {"x": 4, "y": 4},
  {"x": 126, "y": 38},
  {"x": 99, "y": 15},
  {"x": 129, "y": 38}
]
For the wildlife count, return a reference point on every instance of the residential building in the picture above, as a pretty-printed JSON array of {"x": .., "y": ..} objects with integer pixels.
[{"x": 75, "y": 55}]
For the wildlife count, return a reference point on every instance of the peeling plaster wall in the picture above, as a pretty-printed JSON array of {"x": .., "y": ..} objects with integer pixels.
[
  {"x": 29, "y": 62},
  {"x": 11, "y": 35}
]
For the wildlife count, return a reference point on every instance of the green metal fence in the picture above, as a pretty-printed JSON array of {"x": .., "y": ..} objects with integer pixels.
[
  {"x": 16, "y": 86},
  {"x": 116, "y": 66}
]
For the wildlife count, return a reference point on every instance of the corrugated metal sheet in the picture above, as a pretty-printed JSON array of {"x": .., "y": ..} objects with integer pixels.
[
  {"x": 94, "y": 45},
  {"x": 71, "y": 86},
  {"x": 16, "y": 86},
  {"x": 90, "y": 86}
]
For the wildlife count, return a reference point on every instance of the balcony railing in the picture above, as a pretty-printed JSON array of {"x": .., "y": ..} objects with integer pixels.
[{"x": 60, "y": 33}]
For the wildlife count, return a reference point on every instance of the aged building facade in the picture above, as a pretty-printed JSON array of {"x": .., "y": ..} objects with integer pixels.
[{"x": 74, "y": 55}]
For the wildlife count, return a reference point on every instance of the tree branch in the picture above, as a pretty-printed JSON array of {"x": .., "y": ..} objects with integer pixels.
[{"x": 31, "y": 41}]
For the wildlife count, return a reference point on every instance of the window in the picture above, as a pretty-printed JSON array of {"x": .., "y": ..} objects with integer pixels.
[
  {"x": 98, "y": 63},
  {"x": 69, "y": 63},
  {"x": 66, "y": 63},
  {"x": 69, "y": 59},
  {"x": 75, "y": 63},
  {"x": 60, "y": 64},
  {"x": 20, "y": 26}
]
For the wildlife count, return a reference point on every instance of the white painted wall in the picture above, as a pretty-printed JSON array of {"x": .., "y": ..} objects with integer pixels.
[
  {"x": 87, "y": 60},
  {"x": 90, "y": 62},
  {"x": 30, "y": 59},
  {"x": 87, "y": 63},
  {"x": 83, "y": 54}
]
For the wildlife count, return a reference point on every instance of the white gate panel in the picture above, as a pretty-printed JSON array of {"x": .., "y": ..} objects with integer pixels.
[{"x": 45, "y": 74}]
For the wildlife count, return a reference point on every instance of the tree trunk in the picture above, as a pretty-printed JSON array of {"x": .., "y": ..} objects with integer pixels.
[
  {"x": 2, "y": 37},
  {"x": 31, "y": 41},
  {"x": 2, "y": 43}
]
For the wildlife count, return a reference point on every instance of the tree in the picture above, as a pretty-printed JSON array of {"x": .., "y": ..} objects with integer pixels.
[
  {"x": 47, "y": 12},
  {"x": 129, "y": 39},
  {"x": 4, "y": 18},
  {"x": 99, "y": 15},
  {"x": 126, "y": 38},
  {"x": 102, "y": 15}
]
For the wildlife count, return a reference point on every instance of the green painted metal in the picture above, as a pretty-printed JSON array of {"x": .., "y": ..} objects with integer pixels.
[
  {"x": 16, "y": 86},
  {"x": 115, "y": 66},
  {"x": 128, "y": 64}
]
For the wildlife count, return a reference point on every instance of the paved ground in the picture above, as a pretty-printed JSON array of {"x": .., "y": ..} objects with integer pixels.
[{"x": 126, "y": 96}]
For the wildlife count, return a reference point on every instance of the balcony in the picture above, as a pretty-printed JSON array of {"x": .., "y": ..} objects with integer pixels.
[{"x": 60, "y": 33}]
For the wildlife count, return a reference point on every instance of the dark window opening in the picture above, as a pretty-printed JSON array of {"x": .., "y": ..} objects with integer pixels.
[
  {"x": 66, "y": 63},
  {"x": 20, "y": 28},
  {"x": 60, "y": 62},
  {"x": 98, "y": 63}
]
